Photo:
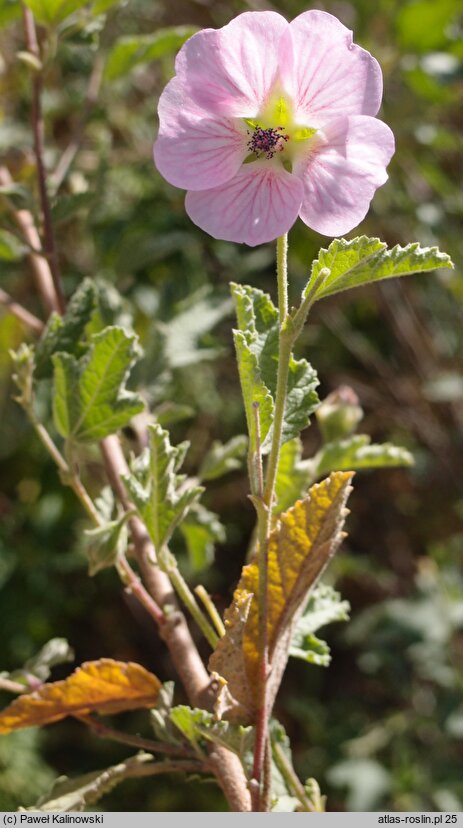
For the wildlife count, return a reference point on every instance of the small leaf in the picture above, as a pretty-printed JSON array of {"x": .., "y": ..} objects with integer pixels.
[
  {"x": 103, "y": 686},
  {"x": 300, "y": 546},
  {"x": 80, "y": 792},
  {"x": 106, "y": 544},
  {"x": 90, "y": 399},
  {"x": 201, "y": 530},
  {"x": 133, "y": 50},
  {"x": 324, "y": 607},
  {"x": 52, "y": 12},
  {"x": 163, "y": 728},
  {"x": 56, "y": 651},
  {"x": 257, "y": 350},
  {"x": 65, "y": 333},
  {"x": 357, "y": 453},
  {"x": 162, "y": 497},
  {"x": 183, "y": 333},
  {"x": 363, "y": 260},
  {"x": 223, "y": 458},
  {"x": 199, "y": 726}
]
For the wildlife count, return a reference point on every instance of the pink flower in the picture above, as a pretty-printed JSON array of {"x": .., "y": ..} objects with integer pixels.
[{"x": 266, "y": 120}]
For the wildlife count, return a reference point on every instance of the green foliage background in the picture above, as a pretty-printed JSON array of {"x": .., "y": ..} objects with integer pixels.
[{"x": 383, "y": 726}]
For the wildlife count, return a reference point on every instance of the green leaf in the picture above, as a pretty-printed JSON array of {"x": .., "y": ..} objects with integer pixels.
[
  {"x": 355, "y": 453},
  {"x": 68, "y": 206},
  {"x": 64, "y": 333},
  {"x": 293, "y": 476},
  {"x": 255, "y": 393},
  {"x": 257, "y": 350},
  {"x": 90, "y": 400},
  {"x": 362, "y": 261},
  {"x": 11, "y": 249},
  {"x": 163, "y": 728},
  {"x": 102, "y": 6},
  {"x": 223, "y": 458},
  {"x": 82, "y": 791},
  {"x": 199, "y": 726},
  {"x": 183, "y": 333},
  {"x": 106, "y": 545},
  {"x": 162, "y": 497},
  {"x": 201, "y": 530},
  {"x": 52, "y": 12},
  {"x": 56, "y": 651},
  {"x": 133, "y": 50},
  {"x": 324, "y": 607}
]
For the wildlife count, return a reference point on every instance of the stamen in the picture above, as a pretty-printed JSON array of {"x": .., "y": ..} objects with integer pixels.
[{"x": 266, "y": 142}]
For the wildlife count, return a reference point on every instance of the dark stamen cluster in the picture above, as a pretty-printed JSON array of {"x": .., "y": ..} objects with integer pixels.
[{"x": 267, "y": 142}]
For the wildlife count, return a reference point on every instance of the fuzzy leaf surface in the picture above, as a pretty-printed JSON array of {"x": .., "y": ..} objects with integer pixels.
[
  {"x": 363, "y": 260},
  {"x": 105, "y": 686},
  {"x": 357, "y": 452},
  {"x": 83, "y": 791},
  {"x": 162, "y": 496},
  {"x": 223, "y": 458},
  {"x": 64, "y": 333},
  {"x": 324, "y": 607},
  {"x": 90, "y": 398},
  {"x": 300, "y": 546}
]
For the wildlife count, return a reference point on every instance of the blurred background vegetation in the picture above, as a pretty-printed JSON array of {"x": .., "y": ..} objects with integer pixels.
[{"x": 382, "y": 727}]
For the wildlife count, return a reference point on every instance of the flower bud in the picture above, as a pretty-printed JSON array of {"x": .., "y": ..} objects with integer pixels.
[{"x": 339, "y": 414}]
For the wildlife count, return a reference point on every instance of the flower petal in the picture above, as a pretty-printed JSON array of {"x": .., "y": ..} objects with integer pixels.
[
  {"x": 230, "y": 71},
  {"x": 194, "y": 150},
  {"x": 325, "y": 74},
  {"x": 342, "y": 171},
  {"x": 259, "y": 204}
]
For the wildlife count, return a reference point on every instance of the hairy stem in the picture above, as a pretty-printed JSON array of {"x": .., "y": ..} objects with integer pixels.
[{"x": 264, "y": 517}]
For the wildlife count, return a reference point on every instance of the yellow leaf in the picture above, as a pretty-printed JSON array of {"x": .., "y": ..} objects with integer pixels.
[
  {"x": 300, "y": 546},
  {"x": 104, "y": 686}
]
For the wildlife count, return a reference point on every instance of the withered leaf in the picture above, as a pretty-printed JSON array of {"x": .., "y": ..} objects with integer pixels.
[
  {"x": 103, "y": 686},
  {"x": 300, "y": 546}
]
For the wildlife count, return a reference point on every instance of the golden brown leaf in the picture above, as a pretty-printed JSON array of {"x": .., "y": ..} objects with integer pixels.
[
  {"x": 103, "y": 686},
  {"x": 300, "y": 546}
]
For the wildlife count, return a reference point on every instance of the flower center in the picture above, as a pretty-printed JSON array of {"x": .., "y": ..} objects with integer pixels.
[{"x": 266, "y": 142}]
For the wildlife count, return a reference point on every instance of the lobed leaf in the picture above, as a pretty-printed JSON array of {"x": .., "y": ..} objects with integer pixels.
[
  {"x": 65, "y": 333},
  {"x": 364, "y": 260},
  {"x": 162, "y": 497},
  {"x": 198, "y": 726},
  {"x": 90, "y": 400},
  {"x": 256, "y": 345},
  {"x": 299, "y": 548},
  {"x": 201, "y": 529},
  {"x": 293, "y": 476},
  {"x": 104, "y": 686},
  {"x": 324, "y": 607}
]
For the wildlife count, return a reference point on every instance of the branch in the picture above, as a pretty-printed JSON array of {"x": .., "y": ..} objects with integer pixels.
[
  {"x": 38, "y": 131},
  {"x": 31, "y": 321},
  {"x": 38, "y": 261},
  {"x": 104, "y": 732}
]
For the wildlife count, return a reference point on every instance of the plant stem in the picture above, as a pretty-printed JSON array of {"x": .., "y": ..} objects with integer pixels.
[
  {"x": 185, "y": 594},
  {"x": 264, "y": 517},
  {"x": 38, "y": 132},
  {"x": 12, "y": 686},
  {"x": 211, "y": 609},
  {"x": 36, "y": 325},
  {"x": 289, "y": 775},
  {"x": 105, "y": 732}
]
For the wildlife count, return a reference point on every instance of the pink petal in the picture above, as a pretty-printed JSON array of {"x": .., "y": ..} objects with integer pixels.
[
  {"x": 342, "y": 171},
  {"x": 259, "y": 204},
  {"x": 230, "y": 71},
  {"x": 325, "y": 74},
  {"x": 194, "y": 150}
]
